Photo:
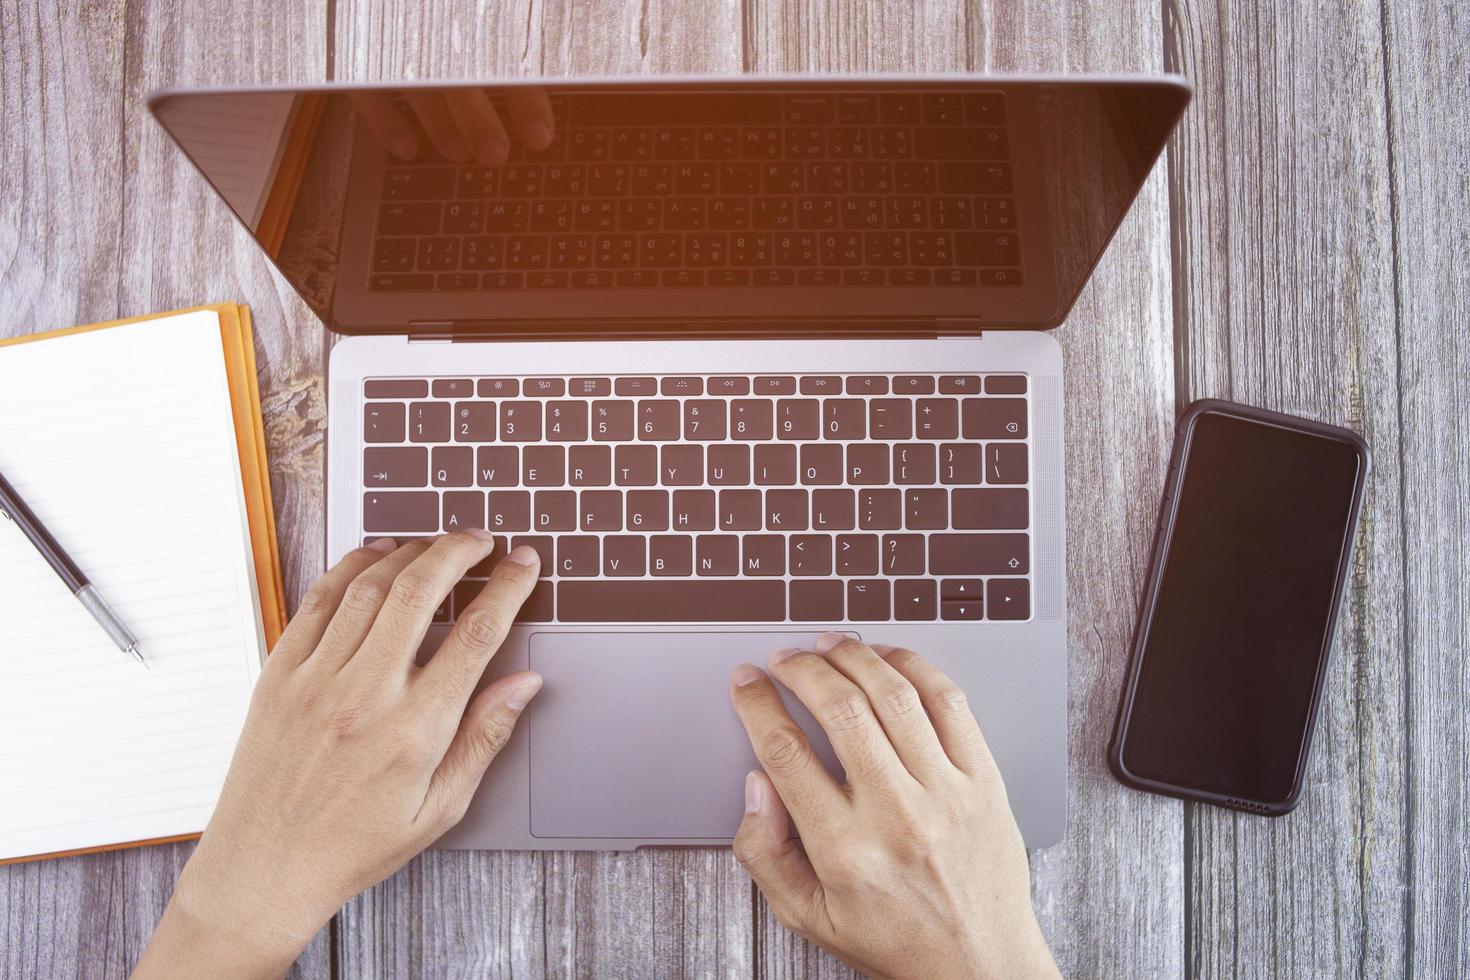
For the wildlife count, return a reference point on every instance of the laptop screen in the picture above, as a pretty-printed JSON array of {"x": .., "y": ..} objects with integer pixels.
[{"x": 763, "y": 205}]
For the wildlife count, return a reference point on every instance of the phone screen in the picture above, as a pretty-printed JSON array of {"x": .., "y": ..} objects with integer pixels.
[{"x": 1239, "y": 631}]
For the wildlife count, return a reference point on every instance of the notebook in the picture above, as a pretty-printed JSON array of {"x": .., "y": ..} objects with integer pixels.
[{"x": 139, "y": 445}]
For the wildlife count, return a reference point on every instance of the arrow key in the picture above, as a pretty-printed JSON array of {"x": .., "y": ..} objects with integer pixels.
[
  {"x": 969, "y": 589},
  {"x": 1008, "y": 598},
  {"x": 961, "y": 608},
  {"x": 913, "y": 600}
]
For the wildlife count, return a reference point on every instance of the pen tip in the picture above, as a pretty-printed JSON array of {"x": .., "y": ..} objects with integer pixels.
[{"x": 138, "y": 657}]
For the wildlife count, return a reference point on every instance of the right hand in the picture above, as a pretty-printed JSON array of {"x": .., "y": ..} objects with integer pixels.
[
  {"x": 914, "y": 867},
  {"x": 460, "y": 121}
]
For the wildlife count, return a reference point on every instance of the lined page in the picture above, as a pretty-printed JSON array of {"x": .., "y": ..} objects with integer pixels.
[
  {"x": 236, "y": 140},
  {"x": 121, "y": 441}
]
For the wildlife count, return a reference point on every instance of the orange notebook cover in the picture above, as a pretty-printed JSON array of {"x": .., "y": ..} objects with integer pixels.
[{"x": 243, "y": 406}]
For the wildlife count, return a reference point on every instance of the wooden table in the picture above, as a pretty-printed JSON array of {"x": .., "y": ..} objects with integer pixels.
[{"x": 1303, "y": 247}]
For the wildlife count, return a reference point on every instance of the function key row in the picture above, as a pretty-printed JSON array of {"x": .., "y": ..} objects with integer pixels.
[{"x": 638, "y": 387}]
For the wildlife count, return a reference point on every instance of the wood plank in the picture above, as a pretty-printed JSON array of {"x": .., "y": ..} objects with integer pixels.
[
  {"x": 1427, "y": 107},
  {"x": 676, "y": 912},
  {"x": 100, "y": 219},
  {"x": 1285, "y": 295},
  {"x": 1110, "y": 896}
]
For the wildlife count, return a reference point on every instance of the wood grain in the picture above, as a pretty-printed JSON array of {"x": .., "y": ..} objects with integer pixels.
[{"x": 1286, "y": 298}]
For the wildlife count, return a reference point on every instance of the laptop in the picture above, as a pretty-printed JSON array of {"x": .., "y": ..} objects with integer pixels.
[{"x": 745, "y": 359}]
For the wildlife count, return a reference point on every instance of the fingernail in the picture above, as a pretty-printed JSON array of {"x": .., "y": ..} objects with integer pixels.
[
  {"x": 779, "y": 655},
  {"x": 492, "y": 152},
  {"x": 538, "y": 135},
  {"x": 746, "y": 674},
  {"x": 827, "y": 641},
  {"x": 384, "y": 545},
  {"x": 881, "y": 649},
  {"x": 755, "y": 792},
  {"x": 480, "y": 533},
  {"x": 522, "y": 693},
  {"x": 524, "y": 555}
]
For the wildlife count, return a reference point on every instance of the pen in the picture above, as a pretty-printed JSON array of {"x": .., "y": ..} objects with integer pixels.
[{"x": 14, "y": 508}]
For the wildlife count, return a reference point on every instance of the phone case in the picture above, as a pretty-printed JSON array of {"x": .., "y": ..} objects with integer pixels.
[{"x": 1162, "y": 534}]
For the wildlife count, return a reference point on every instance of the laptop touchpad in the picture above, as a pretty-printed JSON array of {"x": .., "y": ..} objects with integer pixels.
[{"x": 634, "y": 735}]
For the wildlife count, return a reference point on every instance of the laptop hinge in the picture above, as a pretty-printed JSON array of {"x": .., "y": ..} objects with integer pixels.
[{"x": 831, "y": 328}]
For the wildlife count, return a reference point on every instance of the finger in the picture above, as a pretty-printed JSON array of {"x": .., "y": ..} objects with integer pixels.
[
  {"x": 305, "y": 630},
  {"x": 894, "y": 701},
  {"x": 359, "y": 607},
  {"x": 810, "y": 793},
  {"x": 388, "y": 125},
  {"x": 433, "y": 115},
  {"x": 843, "y": 711},
  {"x": 450, "y": 677},
  {"x": 949, "y": 709},
  {"x": 775, "y": 862},
  {"x": 530, "y": 111},
  {"x": 416, "y": 592},
  {"x": 483, "y": 731},
  {"x": 479, "y": 125}
]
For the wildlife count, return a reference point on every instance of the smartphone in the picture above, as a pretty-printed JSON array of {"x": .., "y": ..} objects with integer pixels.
[{"x": 1255, "y": 535}]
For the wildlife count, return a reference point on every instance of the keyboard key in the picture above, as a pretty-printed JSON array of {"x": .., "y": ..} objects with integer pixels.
[
  {"x": 913, "y": 600},
  {"x": 867, "y": 600},
  {"x": 832, "y": 510},
  {"x": 816, "y": 601},
  {"x": 402, "y": 282},
  {"x": 959, "y": 462},
  {"x": 717, "y": 554},
  {"x": 704, "y": 419},
  {"x": 989, "y": 510},
  {"x": 681, "y": 387},
  {"x": 395, "y": 466},
  {"x": 566, "y": 421},
  {"x": 576, "y": 555},
  {"x": 913, "y": 463},
  {"x": 543, "y": 466},
  {"x": 520, "y": 421},
  {"x": 880, "y": 510},
  {"x": 612, "y": 421},
  {"x": 937, "y": 418},
  {"x": 693, "y": 510},
  {"x": 821, "y": 385},
  {"x": 635, "y": 466},
  {"x": 871, "y": 384},
  {"x": 810, "y": 554},
  {"x": 979, "y": 554},
  {"x": 1005, "y": 384},
  {"x": 539, "y": 607},
  {"x": 635, "y": 387},
  {"x": 463, "y": 508},
  {"x": 798, "y": 418},
  {"x": 671, "y": 554},
  {"x": 601, "y": 510},
  {"x": 409, "y": 219},
  {"x": 497, "y": 466},
  {"x": 589, "y": 466},
  {"x": 857, "y": 554},
  {"x": 1008, "y": 598},
  {"x": 913, "y": 384},
  {"x": 1005, "y": 463},
  {"x": 648, "y": 510},
  {"x": 728, "y": 466},
  {"x": 774, "y": 385},
  {"x": 994, "y": 418},
  {"x": 498, "y": 387},
  {"x": 740, "y": 510},
  {"x": 428, "y": 422},
  {"x": 687, "y": 601},
  {"x": 624, "y": 555},
  {"x": 821, "y": 463},
  {"x": 544, "y": 545},
  {"x": 658, "y": 421},
  {"x": 750, "y": 419},
  {"x": 590, "y": 387},
  {"x": 891, "y": 418},
  {"x": 555, "y": 510},
  {"x": 681, "y": 466},
  {"x": 928, "y": 510},
  {"x": 844, "y": 419},
  {"x": 775, "y": 465},
  {"x": 384, "y": 422},
  {"x": 867, "y": 464},
  {"x": 982, "y": 248},
  {"x": 786, "y": 510},
  {"x": 959, "y": 384},
  {"x": 903, "y": 554},
  {"x": 763, "y": 554},
  {"x": 510, "y": 510},
  {"x": 406, "y": 511},
  {"x": 729, "y": 386},
  {"x": 453, "y": 466},
  {"x": 474, "y": 421}
]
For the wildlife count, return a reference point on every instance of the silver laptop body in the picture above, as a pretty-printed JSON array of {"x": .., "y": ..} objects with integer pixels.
[{"x": 748, "y": 359}]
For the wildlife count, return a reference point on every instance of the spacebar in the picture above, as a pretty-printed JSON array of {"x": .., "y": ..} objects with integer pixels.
[{"x": 674, "y": 601}]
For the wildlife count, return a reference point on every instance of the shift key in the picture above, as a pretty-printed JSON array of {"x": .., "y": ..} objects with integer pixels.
[
  {"x": 979, "y": 554},
  {"x": 393, "y": 512}
]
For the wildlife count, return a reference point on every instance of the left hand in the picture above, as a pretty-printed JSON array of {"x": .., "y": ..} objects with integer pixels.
[{"x": 352, "y": 758}]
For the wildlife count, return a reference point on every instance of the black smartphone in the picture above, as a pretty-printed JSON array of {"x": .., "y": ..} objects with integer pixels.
[{"x": 1255, "y": 535}]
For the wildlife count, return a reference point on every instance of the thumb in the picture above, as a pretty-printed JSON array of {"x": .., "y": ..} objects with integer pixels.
[
  {"x": 776, "y": 863},
  {"x": 483, "y": 731}
]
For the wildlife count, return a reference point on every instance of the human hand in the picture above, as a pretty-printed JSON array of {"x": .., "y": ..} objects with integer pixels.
[
  {"x": 352, "y": 758},
  {"x": 915, "y": 867},
  {"x": 460, "y": 121}
]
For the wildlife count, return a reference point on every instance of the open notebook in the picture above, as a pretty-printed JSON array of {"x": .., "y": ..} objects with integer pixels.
[{"x": 139, "y": 446}]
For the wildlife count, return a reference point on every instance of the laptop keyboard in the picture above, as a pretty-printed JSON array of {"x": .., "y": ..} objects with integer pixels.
[
  {"x": 716, "y": 189},
  {"x": 694, "y": 499}
]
